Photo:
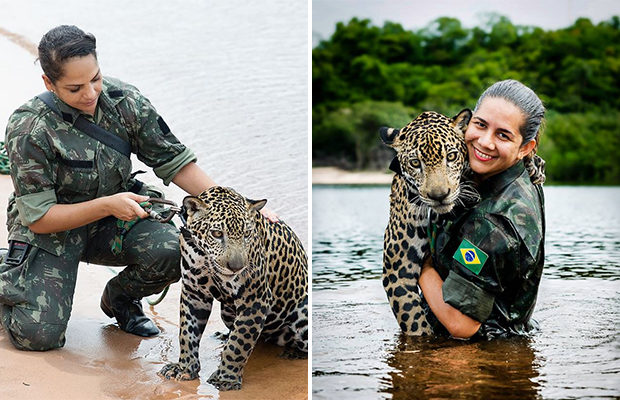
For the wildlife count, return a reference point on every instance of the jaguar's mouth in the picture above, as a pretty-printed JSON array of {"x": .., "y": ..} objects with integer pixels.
[
  {"x": 442, "y": 208},
  {"x": 226, "y": 272}
]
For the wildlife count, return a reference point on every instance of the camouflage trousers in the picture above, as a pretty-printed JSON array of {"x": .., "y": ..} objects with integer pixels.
[{"x": 36, "y": 297}]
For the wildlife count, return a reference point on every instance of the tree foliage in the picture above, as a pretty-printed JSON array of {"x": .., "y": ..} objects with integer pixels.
[{"x": 366, "y": 76}]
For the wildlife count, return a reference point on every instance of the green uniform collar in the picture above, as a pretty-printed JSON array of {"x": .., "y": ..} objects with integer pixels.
[{"x": 496, "y": 183}]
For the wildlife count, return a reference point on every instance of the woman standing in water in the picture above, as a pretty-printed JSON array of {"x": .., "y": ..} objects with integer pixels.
[
  {"x": 483, "y": 276},
  {"x": 71, "y": 188}
]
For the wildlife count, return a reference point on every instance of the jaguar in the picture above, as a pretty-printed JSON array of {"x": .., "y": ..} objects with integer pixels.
[
  {"x": 431, "y": 178},
  {"x": 256, "y": 269}
]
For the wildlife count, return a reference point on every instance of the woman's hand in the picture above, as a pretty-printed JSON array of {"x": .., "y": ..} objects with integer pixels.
[
  {"x": 458, "y": 324},
  {"x": 126, "y": 206},
  {"x": 62, "y": 217},
  {"x": 270, "y": 215}
]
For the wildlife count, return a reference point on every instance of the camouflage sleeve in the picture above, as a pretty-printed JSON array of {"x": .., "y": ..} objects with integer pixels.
[
  {"x": 481, "y": 266},
  {"x": 32, "y": 167},
  {"x": 157, "y": 147}
]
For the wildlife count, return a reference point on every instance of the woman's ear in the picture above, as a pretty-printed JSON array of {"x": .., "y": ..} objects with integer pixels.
[
  {"x": 48, "y": 83},
  {"x": 526, "y": 149}
]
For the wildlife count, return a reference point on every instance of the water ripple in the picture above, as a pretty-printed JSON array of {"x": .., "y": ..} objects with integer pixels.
[{"x": 348, "y": 237}]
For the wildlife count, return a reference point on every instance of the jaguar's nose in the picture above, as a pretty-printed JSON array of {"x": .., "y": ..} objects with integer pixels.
[
  {"x": 438, "y": 195},
  {"x": 235, "y": 263}
]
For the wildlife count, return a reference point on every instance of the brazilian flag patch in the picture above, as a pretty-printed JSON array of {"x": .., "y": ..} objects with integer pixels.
[{"x": 470, "y": 256}]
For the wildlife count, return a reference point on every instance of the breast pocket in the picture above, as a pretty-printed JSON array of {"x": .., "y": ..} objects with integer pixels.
[
  {"x": 114, "y": 171},
  {"x": 77, "y": 180}
]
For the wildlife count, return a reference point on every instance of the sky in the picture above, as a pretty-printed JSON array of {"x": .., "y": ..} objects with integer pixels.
[{"x": 416, "y": 14}]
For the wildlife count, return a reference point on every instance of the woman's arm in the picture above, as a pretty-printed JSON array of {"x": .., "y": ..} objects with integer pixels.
[
  {"x": 62, "y": 217},
  {"x": 458, "y": 324},
  {"x": 193, "y": 179}
]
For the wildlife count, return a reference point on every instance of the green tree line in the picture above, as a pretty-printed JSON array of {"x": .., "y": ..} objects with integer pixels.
[{"x": 366, "y": 76}]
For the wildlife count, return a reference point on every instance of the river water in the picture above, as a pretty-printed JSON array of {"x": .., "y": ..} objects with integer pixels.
[
  {"x": 358, "y": 352},
  {"x": 230, "y": 78}
]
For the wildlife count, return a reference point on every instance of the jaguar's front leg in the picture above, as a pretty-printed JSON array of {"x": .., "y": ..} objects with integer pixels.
[
  {"x": 246, "y": 329},
  {"x": 400, "y": 279},
  {"x": 194, "y": 313},
  {"x": 405, "y": 246}
]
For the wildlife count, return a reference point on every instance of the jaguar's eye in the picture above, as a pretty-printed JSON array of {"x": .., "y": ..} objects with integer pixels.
[
  {"x": 452, "y": 156},
  {"x": 217, "y": 234},
  {"x": 249, "y": 228},
  {"x": 415, "y": 163}
]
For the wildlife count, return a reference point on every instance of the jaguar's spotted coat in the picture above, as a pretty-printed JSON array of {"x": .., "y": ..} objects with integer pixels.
[{"x": 257, "y": 270}]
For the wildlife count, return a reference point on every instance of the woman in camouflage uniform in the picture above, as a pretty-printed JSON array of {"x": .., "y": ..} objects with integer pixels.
[
  {"x": 486, "y": 264},
  {"x": 70, "y": 189}
]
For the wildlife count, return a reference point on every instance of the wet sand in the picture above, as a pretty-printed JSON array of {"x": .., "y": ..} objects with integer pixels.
[
  {"x": 99, "y": 361},
  {"x": 336, "y": 176}
]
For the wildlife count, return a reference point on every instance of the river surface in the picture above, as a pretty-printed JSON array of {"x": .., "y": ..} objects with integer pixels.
[
  {"x": 358, "y": 352},
  {"x": 230, "y": 79}
]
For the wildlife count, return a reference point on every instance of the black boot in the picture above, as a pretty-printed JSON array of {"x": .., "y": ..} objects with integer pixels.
[{"x": 115, "y": 303}]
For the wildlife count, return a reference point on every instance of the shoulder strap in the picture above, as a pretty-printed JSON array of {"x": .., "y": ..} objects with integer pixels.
[{"x": 89, "y": 128}]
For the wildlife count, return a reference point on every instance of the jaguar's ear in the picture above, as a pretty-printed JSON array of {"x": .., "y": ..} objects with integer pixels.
[
  {"x": 256, "y": 205},
  {"x": 461, "y": 120},
  {"x": 192, "y": 204},
  {"x": 388, "y": 135}
]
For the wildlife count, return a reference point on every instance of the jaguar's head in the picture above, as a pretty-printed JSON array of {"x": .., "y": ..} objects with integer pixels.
[
  {"x": 432, "y": 155},
  {"x": 221, "y": 224}
]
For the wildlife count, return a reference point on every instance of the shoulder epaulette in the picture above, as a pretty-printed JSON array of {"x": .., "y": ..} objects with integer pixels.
[{"x": 114, "y": 93}]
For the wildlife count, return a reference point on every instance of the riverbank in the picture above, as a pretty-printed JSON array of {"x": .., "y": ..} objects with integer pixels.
[
  {"x": 337, "y": 176},
  {"x": 99, "y": 361}
]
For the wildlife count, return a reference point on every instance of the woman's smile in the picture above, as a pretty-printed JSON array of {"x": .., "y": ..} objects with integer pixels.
[{"x": 482, "y": 156}]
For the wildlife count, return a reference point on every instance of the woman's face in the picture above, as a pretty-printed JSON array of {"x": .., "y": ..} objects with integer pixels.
[
  {"x": 493, "y": 138},
  {"x": 80, "y": 84}
]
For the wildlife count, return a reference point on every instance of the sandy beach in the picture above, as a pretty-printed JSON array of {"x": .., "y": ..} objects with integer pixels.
[
  {"x": 99, "y": 361},
  {"x": 336, "y": 176}
]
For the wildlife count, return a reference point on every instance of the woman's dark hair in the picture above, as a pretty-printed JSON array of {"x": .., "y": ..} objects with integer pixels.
[{"x": 62, "y": 43}]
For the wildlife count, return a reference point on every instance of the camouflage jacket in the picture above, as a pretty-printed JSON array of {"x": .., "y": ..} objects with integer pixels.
[
  {"x": 491, "y": 257},
  {"x": 52, "y": 162}
]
